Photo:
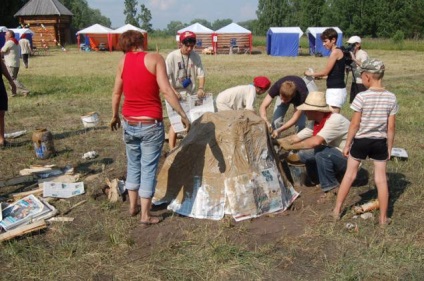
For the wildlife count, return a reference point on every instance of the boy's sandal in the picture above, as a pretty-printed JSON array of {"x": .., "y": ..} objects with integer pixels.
[{"x": 150, "y": 221}]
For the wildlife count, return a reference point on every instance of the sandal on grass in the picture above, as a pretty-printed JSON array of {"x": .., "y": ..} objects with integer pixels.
[
  {"x": 150, "y": 221},
  {"x": 136, "y": 211},
  {"x": 386, "y": 223}
]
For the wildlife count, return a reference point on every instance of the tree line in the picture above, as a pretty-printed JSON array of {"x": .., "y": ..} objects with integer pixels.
[{"x": 371, "y": 18}]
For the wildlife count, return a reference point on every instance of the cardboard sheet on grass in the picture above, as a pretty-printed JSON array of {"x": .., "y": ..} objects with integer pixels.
[{"x": 225, "y": 165}]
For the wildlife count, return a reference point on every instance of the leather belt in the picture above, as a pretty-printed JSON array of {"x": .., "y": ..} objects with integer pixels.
[{"x": 142, "y": 122}]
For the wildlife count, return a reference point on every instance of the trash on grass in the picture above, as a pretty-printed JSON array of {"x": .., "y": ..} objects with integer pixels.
[
  {"x": 90, "y": 155},
  {"x": 62, "y": 189},
  {"x": 369, "y": 206},
  {"x": 367, "y": 216},
  {"x": 15, "y": 134}
]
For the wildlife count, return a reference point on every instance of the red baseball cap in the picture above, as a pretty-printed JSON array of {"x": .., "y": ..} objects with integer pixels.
[
  {"x": 187, "y": 34},
  {"x": 262, "y": 82}
]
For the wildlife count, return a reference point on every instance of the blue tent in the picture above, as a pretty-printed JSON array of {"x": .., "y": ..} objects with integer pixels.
[
  {"x": 283, "y": 41},
  {"x": 315, "y": 42}
]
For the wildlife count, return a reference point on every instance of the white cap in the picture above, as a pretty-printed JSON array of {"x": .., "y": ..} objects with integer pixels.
[{"x": 354, "y": 39}]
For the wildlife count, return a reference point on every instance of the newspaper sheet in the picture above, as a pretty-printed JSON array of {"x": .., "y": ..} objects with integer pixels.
[
  {"x": 62, "y": 189},
  {"x": 193, "y": 107},
  {"x": 23, "y": 211},
  {"x": 260, "y": 193}
]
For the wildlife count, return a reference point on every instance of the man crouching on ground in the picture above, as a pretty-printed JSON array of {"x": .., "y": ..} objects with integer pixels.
[{"x": 320, "y": 147}]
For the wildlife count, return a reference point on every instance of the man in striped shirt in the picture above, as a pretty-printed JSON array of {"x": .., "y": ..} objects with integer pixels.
[{"x": 371, "y": 134}]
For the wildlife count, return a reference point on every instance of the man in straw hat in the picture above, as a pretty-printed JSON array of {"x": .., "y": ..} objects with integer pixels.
[{"x": 321, "y": 143}]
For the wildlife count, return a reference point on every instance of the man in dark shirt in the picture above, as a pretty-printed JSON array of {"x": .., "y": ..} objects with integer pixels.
[{"x": 291, "y": 90}]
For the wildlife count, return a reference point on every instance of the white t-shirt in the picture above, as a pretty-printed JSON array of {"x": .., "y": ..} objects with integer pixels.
[
  {"x": 361, "y": 56},
  {"x": 334, "y": 131},
  {"x": 236, "y": 98},
  {"x": 180, "y": 67},
  {"x": 25, "y": 46},
  {"x": 11, "y": 54}
]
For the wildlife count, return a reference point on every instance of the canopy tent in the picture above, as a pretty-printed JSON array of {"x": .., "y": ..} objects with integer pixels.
[
  {"x": 98, "y": 34},
  {"x": 203, "y": 36},
  {"x": 283, "y": 41},
  {"x": 315, "y": 42},
  {"x": 127, "y": 27},
  {"x": 233, "y": 36},
  {"x": 18, "y": 33}
]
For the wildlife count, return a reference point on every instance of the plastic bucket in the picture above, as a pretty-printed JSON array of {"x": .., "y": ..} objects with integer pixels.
[
  {"x": 298, "y": 174},
  {"x": 90, "y": 119}
]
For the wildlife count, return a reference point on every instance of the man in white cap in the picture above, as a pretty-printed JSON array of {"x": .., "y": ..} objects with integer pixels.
[
  {"x": 358, "y": 57},
  {"x": 184, "y": 67},
  {"x": 320, "y": 144}
]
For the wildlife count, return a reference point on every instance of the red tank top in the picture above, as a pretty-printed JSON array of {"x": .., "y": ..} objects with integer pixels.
[{"x": 141, "y": 90}]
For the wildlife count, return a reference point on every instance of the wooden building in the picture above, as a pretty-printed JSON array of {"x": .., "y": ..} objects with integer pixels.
[{"x": 50, "y": 20}]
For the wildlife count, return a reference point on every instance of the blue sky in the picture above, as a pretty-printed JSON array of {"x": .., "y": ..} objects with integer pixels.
[{"x": 164, "y": 11}]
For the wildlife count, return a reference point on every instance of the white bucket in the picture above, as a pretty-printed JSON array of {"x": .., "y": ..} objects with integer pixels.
[{"x": 90, "y": 119}]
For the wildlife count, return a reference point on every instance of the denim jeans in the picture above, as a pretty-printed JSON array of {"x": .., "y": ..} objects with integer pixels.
[
  {"x": 326, "y": 162},
  {"x": 143, "y": 146},
  {"x": 280, "y": 110}
]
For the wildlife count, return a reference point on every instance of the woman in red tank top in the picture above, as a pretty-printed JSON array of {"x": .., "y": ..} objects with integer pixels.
[{"x": 139, "y": 78}]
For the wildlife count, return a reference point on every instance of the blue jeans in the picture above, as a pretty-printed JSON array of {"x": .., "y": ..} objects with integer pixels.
[
  {"x": 280, "y": 110},
  {"x": 143, "y": 146},
  {"x": 326, "y": 162}
]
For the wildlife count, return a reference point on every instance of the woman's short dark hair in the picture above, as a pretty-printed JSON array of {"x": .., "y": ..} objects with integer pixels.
[
  {"x": 329, "y": 34},
  {"x": 130, "y": 40}
]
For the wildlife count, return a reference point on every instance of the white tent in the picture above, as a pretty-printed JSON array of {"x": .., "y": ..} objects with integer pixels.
[
  {"x": 203, "y": 35},
  {"x": 98, "y": 34},
  {"x": 127, "y": 27},
  {"x": 231, "y": 36}
]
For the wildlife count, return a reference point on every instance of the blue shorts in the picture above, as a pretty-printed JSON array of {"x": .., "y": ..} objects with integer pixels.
[{"x": 375, "y": 149}]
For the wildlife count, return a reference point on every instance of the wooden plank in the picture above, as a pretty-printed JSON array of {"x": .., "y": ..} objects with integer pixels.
[
  {"x": 18, "y": 180},
  {"x": 35, "y": 226},
  {"x": 36, "y": 192}
]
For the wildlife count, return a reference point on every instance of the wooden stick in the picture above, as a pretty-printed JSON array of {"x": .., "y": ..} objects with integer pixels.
[
  {"x": 38, "y": 225},
  {"x": 74, "y": 206},
  {"x": 37, "y": 192},
  {"x": 18, "y": 180}
]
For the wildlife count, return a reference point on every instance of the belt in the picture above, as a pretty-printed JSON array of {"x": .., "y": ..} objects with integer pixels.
[{"x": 142, "y": 122}]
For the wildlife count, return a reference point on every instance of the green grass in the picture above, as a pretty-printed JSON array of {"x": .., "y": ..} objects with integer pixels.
[{"x": 103, "y": 243}]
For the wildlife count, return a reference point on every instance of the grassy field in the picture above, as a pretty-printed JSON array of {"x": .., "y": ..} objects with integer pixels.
[{"x": 104, "y": 243}]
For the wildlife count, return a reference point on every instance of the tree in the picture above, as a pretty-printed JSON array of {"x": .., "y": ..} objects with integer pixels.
[
  {"x": 145, "y": 17},
  {"x": 7, "y": 9},
  {"x": 221, "y": 23},
  {"x": 173, "y": 27},
  {"x": 130, "y": 12},
  {"x": 203, "y": 22},
  {"x": 273, "y": 13}
]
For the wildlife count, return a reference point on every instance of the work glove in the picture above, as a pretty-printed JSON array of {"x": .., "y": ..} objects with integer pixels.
[
  {"x": 115, "y": 123},
  {"x": 285, "y": 144}
]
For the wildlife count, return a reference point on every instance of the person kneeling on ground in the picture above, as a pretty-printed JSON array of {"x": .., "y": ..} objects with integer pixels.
[
  {"x": 291, "y": 90},
  {"x": 320, "y": 147},
  {"x": 242, "y": 97}
]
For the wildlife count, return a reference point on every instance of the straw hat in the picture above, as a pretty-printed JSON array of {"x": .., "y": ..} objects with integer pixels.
[{"x": 315, "y": 101}]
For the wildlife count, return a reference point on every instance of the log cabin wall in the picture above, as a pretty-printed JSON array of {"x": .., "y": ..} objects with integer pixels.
[{"x": 49, "y": 30}]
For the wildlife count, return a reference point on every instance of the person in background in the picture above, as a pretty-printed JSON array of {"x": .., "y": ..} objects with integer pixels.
[
  {"x": 4, "y": 100},
  {"x": 242, "y": 97},
  {"x": 320, "y": 144},
  {"x": 291, "y": 90},
  {"x": 184, "y": 67},
  {"x": 335, "y": 94},
  {"x": 371, "y": 134},
  {"x": 358, "y": 57},
  {"x": 140, "y": 77},
  {"x": 25, "y": 49},
  {"x": 10, "y": 51}
]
